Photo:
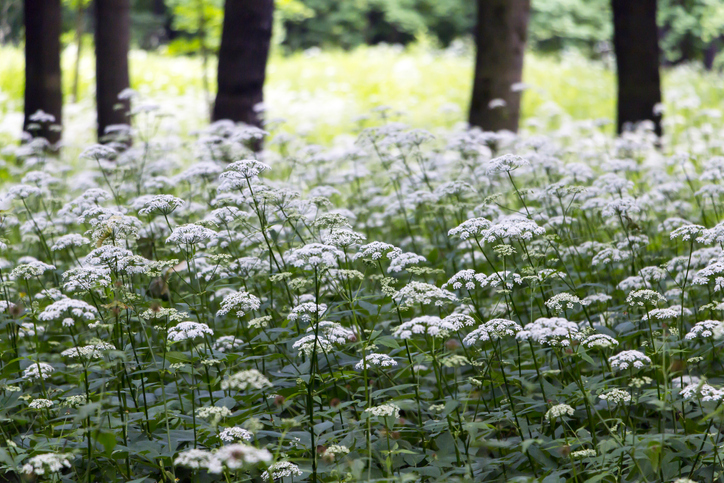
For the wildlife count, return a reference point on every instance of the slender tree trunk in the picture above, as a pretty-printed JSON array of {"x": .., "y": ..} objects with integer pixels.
[
  {"x": 710, "y": 54},
  {"x": 42, "y": 65},
  {"x": 112, "y": 39},
  {"x": 243, "y": 54},
  {"x": 204, "y": 56},
  {"x": 501, "y": 34},
  {"x": 636, "y": 42},
  {"x": 79, "y": 14}
]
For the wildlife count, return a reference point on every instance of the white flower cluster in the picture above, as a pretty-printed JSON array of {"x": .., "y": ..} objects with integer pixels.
[
  {"x": 229, "y": 435},
  {"x": 38, "y": 370},
  {"x": 40, "y": 404},
  {"x": 307, "y": 312},
  {"x": 188, "y": 331},
  {"x": 704, "y": 329},
  {"x": 246, "y": 379},
  {"x": 375, "y": 360},
  {"x": 425, "y": 325},
  {"x": 616, "y": 396},
  {"x": 422, "y": 293},
  {"x": 232, "y": 457},
  {"x": 281, "y": 469},
  {"x": 62, "y": 308},
  {"x": 384, "y": 410},
  {"x": 628, "y": 359},
  {"x": 163, "y": 204},
  {"x": 600, "y": 341},
  {"x": 492, "y": 330},
  {"x": 554, "y": 331},
  {"x": 314, "y": 256},
  {"x": 227, "y": 343},
  {"x": 559, "y": 411},
  {"x": 240, "y": 303},
  {"x": 46, "y": 464}
]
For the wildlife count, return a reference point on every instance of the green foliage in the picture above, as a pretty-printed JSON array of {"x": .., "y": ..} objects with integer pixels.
[
  {"x": 689, "y": 27},
  {"x": 559, "y": 24},
  {"x": 351, "y": 23}
]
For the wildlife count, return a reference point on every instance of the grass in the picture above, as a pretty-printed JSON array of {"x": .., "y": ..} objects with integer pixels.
[{"x": 321, "y": 94}]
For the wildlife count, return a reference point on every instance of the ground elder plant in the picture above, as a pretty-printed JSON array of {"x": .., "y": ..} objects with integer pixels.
[{"x": 402, "y": 306}]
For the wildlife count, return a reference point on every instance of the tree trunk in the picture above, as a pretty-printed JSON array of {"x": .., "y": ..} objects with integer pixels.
[
  {"x": 243, "y": 55},
  {"x": 112, "y": 39},
  {"x": 501, "y": 33},
  {"x": 79, "y": 19},
  {"x": 635, "y": 40},
  {"x": 42, "y": 65}
]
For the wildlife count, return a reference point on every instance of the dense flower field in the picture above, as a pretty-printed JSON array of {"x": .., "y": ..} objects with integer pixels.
[{"x": 466, "y": 306}]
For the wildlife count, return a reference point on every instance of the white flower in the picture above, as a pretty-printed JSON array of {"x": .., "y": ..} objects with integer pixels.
[
  {"x": 86, "y": 278},
  {"x": 47, "y": 463},
  {"x": 506, "y": 163},
  {"x": 40, "y": 404},
  {"x": 376, "y": 360},
  {"x": 343, "y": 238},
  {"x": 560, "y": 302},
  {"x": 334, "y": 332},
  {"x": 624, "y": 360},
  {"x": 246, "y": 379},
  {"x": 229, "y": 435},
  {"x": 62, "y": 308},
  {"x": 422, "y": 293},
  {"x": 38, "y": 370},
  {"x": 602, "y": 341},
  {"x": 616, "y": 396},
  {"x": 309, "y": 344},
  {"x": 194, "y": 459},
  {"x": 426, "y": 325},
  {"x": 403, "y": 260},
  {"x": 384, "y": 410},
  {"x": 704, "y": 329},
  {"x": 227, "y": 343},
  {"x": 307, "y": 311},
  {"x": 188, "y": 331},
  {"x": 375, "y": 250},
  {"x": 164, "y": 204},
  {"x": 240, "y": 303},
  {"x": 70, "y": 240},
  {"x": 702, "y": 390},
  {"x": 314, "y": 256},
  {"x": 30, "y": 270},
  {"x": 470, "y": 228},
  {"x": 558, "y": 411},
  {"x": 282, "y": 469},
  {"x": 687, "y": 232},
  {"x": 237, "y": 456},
  {"x": 551, "y": 331},
  {"x": 190, "y": 234}
]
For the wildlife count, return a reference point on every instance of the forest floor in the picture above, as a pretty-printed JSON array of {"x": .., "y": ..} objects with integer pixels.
[{"x": 323, "y": 94}]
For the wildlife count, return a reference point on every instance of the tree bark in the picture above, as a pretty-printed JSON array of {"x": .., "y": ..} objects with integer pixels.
[
  {"x": 243, "y": 55},
  {"x": 501, "y": 34},
  {"x": 636, "y": 42},
  {"x": 112, "y": 39},
  {"x": 42, "y": 65}
]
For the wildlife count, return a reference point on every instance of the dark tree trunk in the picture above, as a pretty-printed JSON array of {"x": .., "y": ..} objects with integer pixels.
[
  {"x": 710, "y": 54},
  {"x": 636, "y": 43},
  {"x": 112, "y": 39},
  {"x": 42, "y": 65},
  {"x": 243, "y": 55},
  {"x": 501, "y": 34}
]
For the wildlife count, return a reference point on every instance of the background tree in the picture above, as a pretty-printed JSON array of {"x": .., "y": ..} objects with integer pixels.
[
  {"x": 500, "y": 39},
  {"x": 243, "y": 55},
  {"x": 42, "y": 64},
  {"x": 112, "y": 39},
  {"x": 636, "y": 42}
]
